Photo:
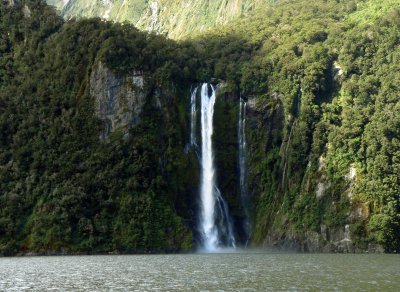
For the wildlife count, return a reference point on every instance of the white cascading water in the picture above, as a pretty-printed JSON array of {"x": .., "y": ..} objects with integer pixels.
[
  {"x": 210, "y": 196},
  {"x": 193, "y": 117},
  {"x": 224, "y": 211},
  {"x": 242, "y": 163},
  {"x": 209, "y": 229},
  {"x": 290, "y": 135}
]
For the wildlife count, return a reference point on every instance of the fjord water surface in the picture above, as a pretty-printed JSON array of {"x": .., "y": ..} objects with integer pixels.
[{"x": 203, "y": 272}]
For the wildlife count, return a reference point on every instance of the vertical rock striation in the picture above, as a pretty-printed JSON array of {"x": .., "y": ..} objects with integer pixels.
[{"x": 119, "y": 101}]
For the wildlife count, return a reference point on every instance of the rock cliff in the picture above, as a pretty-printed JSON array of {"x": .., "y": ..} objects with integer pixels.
[
  {"x": 118, "y": 100},
  {"x": 177, "y": 19}
]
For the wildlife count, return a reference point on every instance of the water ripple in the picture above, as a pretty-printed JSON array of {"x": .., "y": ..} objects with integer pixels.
[{"x": 202, "y": 272}]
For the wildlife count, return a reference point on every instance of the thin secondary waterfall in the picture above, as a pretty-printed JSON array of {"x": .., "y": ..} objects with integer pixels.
[
  {"x": 193, "y": 118},
  {"x": 298, "y": 108},
  {"x": 215, "y": 221},
  {"x": 242, "y": 164}
]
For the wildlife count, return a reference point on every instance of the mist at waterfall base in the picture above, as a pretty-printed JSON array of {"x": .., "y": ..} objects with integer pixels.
[{"x": 215, "y": 225}]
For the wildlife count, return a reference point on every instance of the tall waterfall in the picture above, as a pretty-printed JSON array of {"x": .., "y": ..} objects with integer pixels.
[
  {"x": 215, "y": 223},
  {"x": 243, "y": 165}
]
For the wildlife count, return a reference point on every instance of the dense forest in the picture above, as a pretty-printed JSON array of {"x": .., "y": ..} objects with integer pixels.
[
  {"x": 322, "y": 82},
  {"x": 61, "y": 186}
]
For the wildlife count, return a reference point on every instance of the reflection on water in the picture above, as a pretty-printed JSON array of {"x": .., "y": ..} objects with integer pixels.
[{"x": 212, "y": 272}]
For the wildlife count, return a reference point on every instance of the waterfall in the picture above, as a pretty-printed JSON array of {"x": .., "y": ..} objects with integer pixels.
[
  {"x": 298, "y": 108},
  {"x": 215, "y": 221},
  {"x": 209, "y": 229},
  {"x": 193, "y": 118},
  {"x": 242, "y": 164},
  {"x": 226, "y": 219},
  {"x": 285, "y": 157}
]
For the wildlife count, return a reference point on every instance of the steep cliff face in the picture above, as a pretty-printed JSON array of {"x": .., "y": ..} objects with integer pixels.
[
  {"x": 301, "y": 207},
  {"x": 119, "y": 101},
  {"x": 323, "y": 175},
  {"x": 174, "y": 18},
  {"x": 322, "y": 128},
  {"x": 304, "y": 226},
  {"x": 69, "y": 191}
]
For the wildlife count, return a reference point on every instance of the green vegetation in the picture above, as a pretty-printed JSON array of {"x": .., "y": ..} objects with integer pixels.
[
  {"x": 323, "y": 127},
  {"x": 175, "y": 18},
  {"x": 62, "y": 188},
  {"x": 333, "y": 68}
]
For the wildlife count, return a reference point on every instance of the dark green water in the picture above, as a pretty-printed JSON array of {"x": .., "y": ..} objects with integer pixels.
[{"x": 203, "y": 272}]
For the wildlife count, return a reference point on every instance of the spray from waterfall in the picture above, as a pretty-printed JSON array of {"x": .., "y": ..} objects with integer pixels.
[
  {"x": 215, "y": 223},
  {"x": 243, "y": 165}
]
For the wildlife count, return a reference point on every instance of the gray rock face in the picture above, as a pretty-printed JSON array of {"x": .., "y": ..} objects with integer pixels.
[
  {"x": 119, "y": 101},
  {"x": 26, "y": 11},
  {"x": 251, "y": 102},
  {"x": 11, "y": 2},
  {"x": 329, "y": 240}
]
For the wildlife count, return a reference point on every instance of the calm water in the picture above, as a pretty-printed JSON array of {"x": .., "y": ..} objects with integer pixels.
[{"x": 203, "y": 272}]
